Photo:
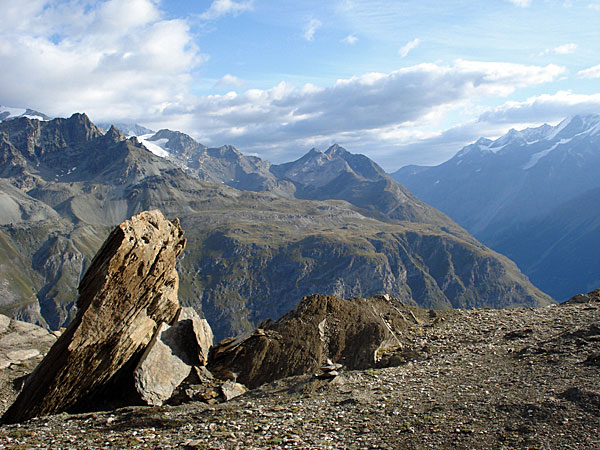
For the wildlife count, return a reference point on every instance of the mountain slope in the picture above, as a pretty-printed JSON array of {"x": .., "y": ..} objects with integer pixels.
[
  {"x": 497, "y": 188},
  {"x": 250, "y": 255},
  {"x": 333, "y": 174},
  {"x": 339, "y": 174},
  {"x": 567, "y": 238}
]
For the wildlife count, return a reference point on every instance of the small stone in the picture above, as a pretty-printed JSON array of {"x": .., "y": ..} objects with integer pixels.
[
  {"x": 232, "y": 390},
  {"x": 330, "y": 367},
  {"x": 328, "y": 375},
  {"x": 23, "y": 355}
]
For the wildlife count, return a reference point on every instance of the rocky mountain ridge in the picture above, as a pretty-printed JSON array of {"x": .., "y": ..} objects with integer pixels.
[
  {"x": 332, "y": 174},
  {"x": 8, "y": 113},
  {"x": 250, "y": 255},
  {"x": 502, "y": 191}
]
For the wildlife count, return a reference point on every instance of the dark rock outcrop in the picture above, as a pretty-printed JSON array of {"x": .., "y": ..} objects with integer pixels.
[
  {"x": 590, "y": 297},
  {"x": 129, "y": 290},
  {"x": 351, "y": 332}
]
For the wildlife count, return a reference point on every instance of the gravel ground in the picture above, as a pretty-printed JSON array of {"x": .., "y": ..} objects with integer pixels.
[{"x": 481, "y": 379}]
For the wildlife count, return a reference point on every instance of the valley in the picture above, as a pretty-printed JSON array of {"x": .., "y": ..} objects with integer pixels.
[{"x": 250, "y": 254}]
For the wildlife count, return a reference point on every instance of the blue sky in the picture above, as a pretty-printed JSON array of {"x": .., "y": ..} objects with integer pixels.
[{"x": 404, "y": 82}]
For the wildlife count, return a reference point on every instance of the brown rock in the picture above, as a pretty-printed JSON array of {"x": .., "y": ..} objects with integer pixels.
[
  {"x": 169, "y": 358},
  {"x": 231, "y": 390},
  {"x": 203, "y": 335},
  {"x": 162, "y": 367},
  {"x": 349, "y": 332},
  {"x": 129, "y": 289},
  {"x": 22, "y": 341},
  {"x": 590, "y": 297}
]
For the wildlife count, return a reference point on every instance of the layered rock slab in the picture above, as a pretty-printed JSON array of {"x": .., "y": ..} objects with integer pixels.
[
  {"x": 129, "y": 290},
  {"x": 171, "y": 355},
  {"x": 351, "y": 332}
]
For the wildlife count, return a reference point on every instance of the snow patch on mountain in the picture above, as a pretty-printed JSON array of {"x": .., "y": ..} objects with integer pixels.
[
  {"x": 156, "y": 147},
  {"x": 9, "y": 113},
  {"x": 557, "y": 129},
  {"x": 535, "y": 158},
  {"x": 12, "y": 112}
]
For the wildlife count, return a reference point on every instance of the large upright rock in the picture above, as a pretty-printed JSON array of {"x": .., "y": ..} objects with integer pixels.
[{"x": 129, "y": 290}]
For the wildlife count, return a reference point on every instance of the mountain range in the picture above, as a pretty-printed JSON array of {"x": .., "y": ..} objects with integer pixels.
[
  {"x": 331, "y": 222},
  {"x": 531, "y": 195},
  {"x": 7, "y": 113}
]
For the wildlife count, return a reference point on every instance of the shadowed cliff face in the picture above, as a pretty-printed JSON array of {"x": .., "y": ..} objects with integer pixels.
[
  {"x": 250, "y": 255},
  {"x": 262, "y": 270}
]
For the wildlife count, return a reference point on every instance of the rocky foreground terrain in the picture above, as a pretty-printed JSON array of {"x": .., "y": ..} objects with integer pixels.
[{"x": 480, "y": 379}]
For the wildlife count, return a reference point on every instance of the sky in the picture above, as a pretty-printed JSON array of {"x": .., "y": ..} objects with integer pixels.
[{"x": 401, "y": 81}]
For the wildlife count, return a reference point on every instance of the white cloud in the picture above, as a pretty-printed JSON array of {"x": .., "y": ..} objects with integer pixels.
[
  {"x": 439, "y": 147},
  {"x": 310, "y": 28},
  {"x": 591, "y": 72},
  {"x": 405, "y": 50},
  {"x": 115, "y": 59},
  {"x": 229, "y": 80},
  {"x": 521, "y": 3},
  {"x": 376, "y": 109},
  {"x": 220, "y": 8},
  {"x": 565, "y": 49},
  {"x": 543, "y": 108},
  {"x": 350, "y": 39}
]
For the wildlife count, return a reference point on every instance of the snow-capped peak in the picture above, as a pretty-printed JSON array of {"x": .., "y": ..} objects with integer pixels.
[{"x": 7, "y": 113}]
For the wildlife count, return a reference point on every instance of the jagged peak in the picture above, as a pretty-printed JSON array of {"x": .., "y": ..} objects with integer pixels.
[
  {"x": 80, "y": 117},
  {"x": 114, "y": 134},
  {"x": 170, "y": 135},
  {"x": 227, "y": 151},
  {"x": 10, "y": 113},
  {"x": 314, "y": 152},
  {"x": 166, "y": 133},
  {"x": 336, "y": 150}
]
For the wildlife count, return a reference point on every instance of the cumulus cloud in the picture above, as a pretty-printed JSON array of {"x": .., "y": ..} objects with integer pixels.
[
  {"x": 405, "y": 49},
  {"x": 521, "y": 3},
  {"x": 310, "y": 29},
  {"x": 350, "y": 39},
  {"x": 565, "y": 49},
  {"x": 220, "y": 8},
  {"x": 438, "y": 147},
  {"x": 375, "y": 108},
  {"x": 229, "y": 80},
  {"x": 116, "y": 59},
  {"x": 592, "y": 72},
  {"x": 543, "y": 108},
  {"x": 91, "y": 59}
]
